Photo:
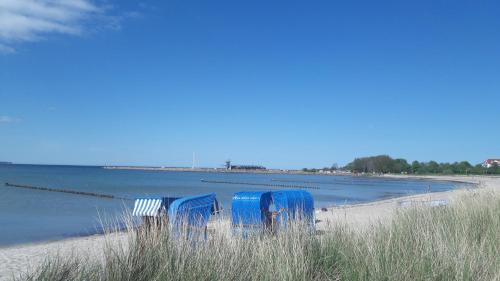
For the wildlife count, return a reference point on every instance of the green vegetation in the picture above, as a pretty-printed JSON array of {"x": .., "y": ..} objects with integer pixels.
[
  {"x": 385, "y": 164},
  {"x": 334, "y": 167},
  {"x": 312, "y": 170},
  {"x": 456, "y": 242}
]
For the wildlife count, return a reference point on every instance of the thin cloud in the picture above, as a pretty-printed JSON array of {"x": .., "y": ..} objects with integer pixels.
[
  {"x": 6, "y": 49},
  {"x": 8, "y": 119},
  {"x": 33, "y": 20}
]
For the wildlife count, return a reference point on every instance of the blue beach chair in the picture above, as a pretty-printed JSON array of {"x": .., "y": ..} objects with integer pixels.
[
  {"x": 254, "y": 212},
  {"x": 294, "y": 205},
  {"x": 182, "y": 214},
  {"x": 250, "y": 212}
]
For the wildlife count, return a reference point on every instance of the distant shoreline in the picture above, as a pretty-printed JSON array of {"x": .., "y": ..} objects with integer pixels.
[
  {"x": 211, "y": 170},
  {"x": 437, "y": 177}
]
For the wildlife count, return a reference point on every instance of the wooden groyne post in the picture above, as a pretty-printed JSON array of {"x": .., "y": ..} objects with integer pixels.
[
  {"x": 83, "y": 193},
  {"x": 261, "y": 184}
]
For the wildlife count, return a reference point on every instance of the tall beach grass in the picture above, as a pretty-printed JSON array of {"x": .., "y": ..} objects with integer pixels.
[{"x": 456, "y": 242}]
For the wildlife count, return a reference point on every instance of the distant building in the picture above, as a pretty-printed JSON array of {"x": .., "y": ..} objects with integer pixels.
[
  {"x": 247, "y": 167},
  {"x": 489, "y": 162},
  {"x": 230, "y": 166}
]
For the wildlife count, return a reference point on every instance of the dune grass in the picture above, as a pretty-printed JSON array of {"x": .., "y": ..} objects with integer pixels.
[{"x": 456, "y": 242}]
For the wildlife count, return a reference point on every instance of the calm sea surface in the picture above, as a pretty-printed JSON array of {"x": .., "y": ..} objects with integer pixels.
[{"x": 30, "y": 216}]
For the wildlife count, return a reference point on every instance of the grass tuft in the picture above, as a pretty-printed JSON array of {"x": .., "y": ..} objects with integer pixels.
[{"x": 456, "y": 242}]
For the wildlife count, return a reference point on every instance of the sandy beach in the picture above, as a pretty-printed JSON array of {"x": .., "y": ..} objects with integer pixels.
[
  {"x": 20, "y": 259},
  {"x": 362, "y": 215}
]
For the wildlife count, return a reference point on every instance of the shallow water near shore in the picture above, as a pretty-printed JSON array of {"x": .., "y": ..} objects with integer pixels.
[{"x": 32, "y": 215}]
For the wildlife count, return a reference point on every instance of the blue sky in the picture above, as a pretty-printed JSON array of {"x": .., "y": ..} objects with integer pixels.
[{"x": 285, "y": 84}]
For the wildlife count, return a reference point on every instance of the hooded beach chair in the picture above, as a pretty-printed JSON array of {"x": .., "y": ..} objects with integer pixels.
[
  {"x": 182, "y": 214},
  {"x": 250, "y": 212},
  {"x": 255, "y": 211}
]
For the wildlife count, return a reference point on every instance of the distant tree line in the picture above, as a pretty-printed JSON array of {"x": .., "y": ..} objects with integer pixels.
[
  {"x": 383, "y": 164},
  {"x": 334, "y": 167}
]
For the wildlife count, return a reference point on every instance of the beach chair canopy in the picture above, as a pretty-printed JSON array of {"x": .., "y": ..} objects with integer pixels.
[
  {"x": 193, "y": 210},
  {"x": 250, "y": 208},
  {"x": 294, "y": 204},
  {"x": 152, "y": 206}
]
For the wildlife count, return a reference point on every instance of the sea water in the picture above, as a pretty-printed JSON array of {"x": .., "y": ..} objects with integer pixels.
[{"x": 31, "y": 215}]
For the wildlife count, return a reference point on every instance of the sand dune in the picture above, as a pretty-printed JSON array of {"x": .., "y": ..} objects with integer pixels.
[{"x": 23, "y": 258}]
